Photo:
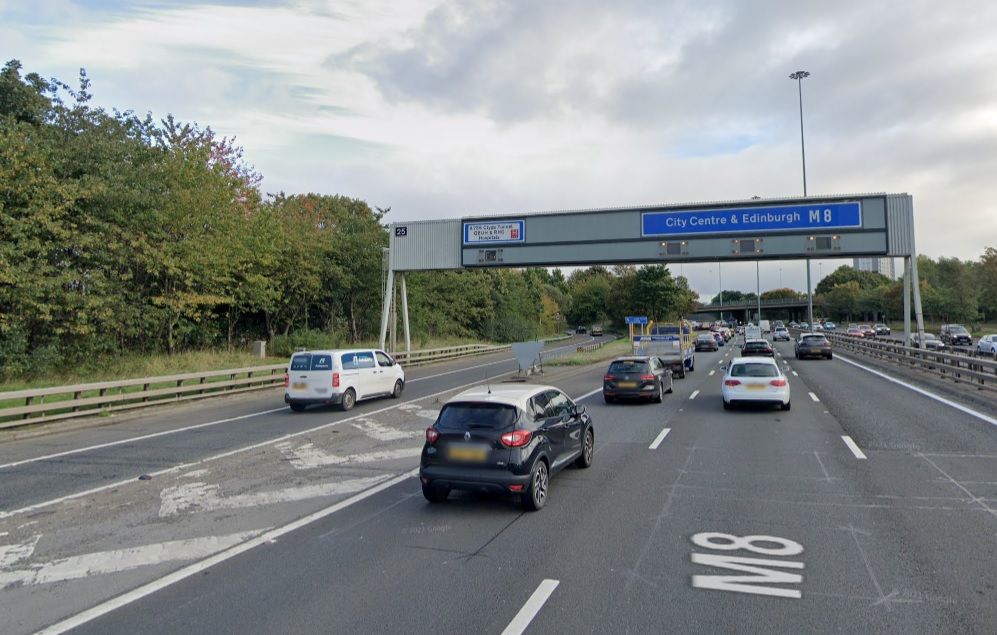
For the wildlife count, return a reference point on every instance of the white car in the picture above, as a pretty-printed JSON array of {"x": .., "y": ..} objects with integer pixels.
[
  {"x": 987, "y": 346},
  {"x": 341, "y": 377},
  {"x": 755, "y": 380},
  {"x": 931, "y": 343}
]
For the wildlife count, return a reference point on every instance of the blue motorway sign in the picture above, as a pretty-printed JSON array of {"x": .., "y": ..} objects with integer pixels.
[
  {"x": 636, "y": 319},
  {"x": 738, "y": 220}
]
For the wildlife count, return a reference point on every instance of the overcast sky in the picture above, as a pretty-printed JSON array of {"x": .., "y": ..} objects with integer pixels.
[{"x": 439, "y": 108}]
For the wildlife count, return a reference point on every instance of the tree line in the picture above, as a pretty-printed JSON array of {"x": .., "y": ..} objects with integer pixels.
[
  {"x": 952, "y": 290},
  {"x": 121, "y": 233}
]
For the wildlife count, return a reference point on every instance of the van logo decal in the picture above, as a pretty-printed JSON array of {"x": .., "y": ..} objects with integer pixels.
[{"x": 467, "y": 436}]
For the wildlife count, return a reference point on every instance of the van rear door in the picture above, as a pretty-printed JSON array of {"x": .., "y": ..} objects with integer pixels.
[
  {"x": 320, "y": 376},
  {"x": 298, "y": 374}
]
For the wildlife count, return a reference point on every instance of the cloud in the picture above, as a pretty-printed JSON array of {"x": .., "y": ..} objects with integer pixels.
[{"x": 441, "y": 108}]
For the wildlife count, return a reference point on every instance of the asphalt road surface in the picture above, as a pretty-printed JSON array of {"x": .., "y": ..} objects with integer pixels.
[{"x": 866, "y": 508}]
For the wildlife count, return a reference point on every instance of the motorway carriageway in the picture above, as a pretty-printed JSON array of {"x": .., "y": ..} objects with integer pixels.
[
  {"x": 36, "y": 471},
  {"x": 868, "y": 507}
]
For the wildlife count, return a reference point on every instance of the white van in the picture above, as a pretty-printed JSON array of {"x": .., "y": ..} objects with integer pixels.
[{"x": 341, "y": 377}]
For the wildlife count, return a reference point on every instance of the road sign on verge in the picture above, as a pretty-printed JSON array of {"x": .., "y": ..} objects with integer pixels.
[{"x": 636, "y": 319}]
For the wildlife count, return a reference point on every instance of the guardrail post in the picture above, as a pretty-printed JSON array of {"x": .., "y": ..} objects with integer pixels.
[
  {"x": 100, "y": 393},
  {"x": 201, "y": 382},
  {"x": 231, "y": 378},
  {"x": 27, "y": 402},
  {"x": 145, "y": 389},
  {"x": 76, "y": 396}
]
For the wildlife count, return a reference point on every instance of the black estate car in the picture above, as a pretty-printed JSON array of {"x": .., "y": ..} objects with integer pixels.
[{"x": 639, "y": 377}]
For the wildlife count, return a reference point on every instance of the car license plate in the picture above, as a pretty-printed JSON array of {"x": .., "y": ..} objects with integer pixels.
[
  {"x": 300, "y": 385},
  {"x": 467, "y": 453},
  {"x": 627, "y": 384},
  {"x": 756, "y": 386}
]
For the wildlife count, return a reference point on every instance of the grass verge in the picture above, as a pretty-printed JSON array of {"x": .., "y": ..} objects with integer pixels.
[{"x": 609, "y": 351}]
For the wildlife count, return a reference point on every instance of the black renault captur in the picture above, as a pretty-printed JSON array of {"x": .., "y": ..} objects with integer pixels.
[{"x": 505, "y": 438}]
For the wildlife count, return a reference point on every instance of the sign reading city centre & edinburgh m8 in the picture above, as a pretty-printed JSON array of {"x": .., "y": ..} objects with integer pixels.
[
  {"x": 506, "y": 231},
  {"x": 739, "y": 220}
]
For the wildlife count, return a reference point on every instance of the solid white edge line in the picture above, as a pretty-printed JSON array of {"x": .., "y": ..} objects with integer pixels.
[
  {"x": 921, "y": 391},
  {"x": 181, "y": 574},
  {"x": 859, "y": 454},
  {"x": 813, "y": 396},
  {"x": 693, "y": 395},
  {"x": 531, "y": 608},
  {"x": 143, "y": 437},
  {"x": 658, "y": 439}
]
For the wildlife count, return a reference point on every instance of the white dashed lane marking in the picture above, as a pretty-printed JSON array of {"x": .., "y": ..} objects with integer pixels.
[
  {"x": 693, "y": 395},
  {"x": 658, "y": 439},
  {"x": 859, "y": 454},
  {"x": 531, "y": 608}
]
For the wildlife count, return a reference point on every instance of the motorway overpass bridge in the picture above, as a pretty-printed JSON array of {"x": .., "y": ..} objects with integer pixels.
[{"x": 748, "y": 309}]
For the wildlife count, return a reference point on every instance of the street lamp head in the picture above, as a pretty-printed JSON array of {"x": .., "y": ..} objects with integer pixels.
[{"x": 799, "y": 75}]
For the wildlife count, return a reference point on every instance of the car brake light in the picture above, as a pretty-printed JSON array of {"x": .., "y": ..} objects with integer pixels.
[
  {"x": 609, "y": 378},
  {"x": 432, "y": 434},
  {"x": 778, "y": 382},
  {"x": 287, "y": 380},
  {"x": 335, "y": 380},
  {"x": 647, "y": 377},
  {"x": 515, "y": 488},
  {"x": 516, "y": 438},
  {"x": 732, "y": 382}
]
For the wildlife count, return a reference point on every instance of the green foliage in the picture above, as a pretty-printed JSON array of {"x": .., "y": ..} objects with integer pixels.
[
  {"x": 784, "y": 293},
  {"x": 845, "y": 274},
  {"x": 124, "y": 236},
  {"x": 312, "y": 339},
  {"x": 734, "y": 297}
]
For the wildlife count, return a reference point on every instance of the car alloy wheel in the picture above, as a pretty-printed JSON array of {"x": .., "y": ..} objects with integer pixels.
[
  {"x": 588, "y": 450},
  {"x": 397, "y": 392},
  {"x": 539, "y": 482}
]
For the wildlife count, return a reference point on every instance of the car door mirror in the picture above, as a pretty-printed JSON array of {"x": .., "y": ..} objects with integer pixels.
[{"x": 577, "y": 410}]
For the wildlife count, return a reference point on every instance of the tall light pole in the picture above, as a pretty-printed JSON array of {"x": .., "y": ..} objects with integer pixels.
[
  {"x": 758, "y": 292},
  {"x": 720, "y": 279},
  {"x": 799, "y": 76}
]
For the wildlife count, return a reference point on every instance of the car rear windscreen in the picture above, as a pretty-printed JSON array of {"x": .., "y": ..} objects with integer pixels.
[
  {"x": 814, "y": 340},
  {"x": 756, "y": 345},
  {"x": 476, "y": 416},
  {"x": 754, "y": 370},
  {"x": 301, "y": 362},
  {"x": 623, "y": 367}
]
